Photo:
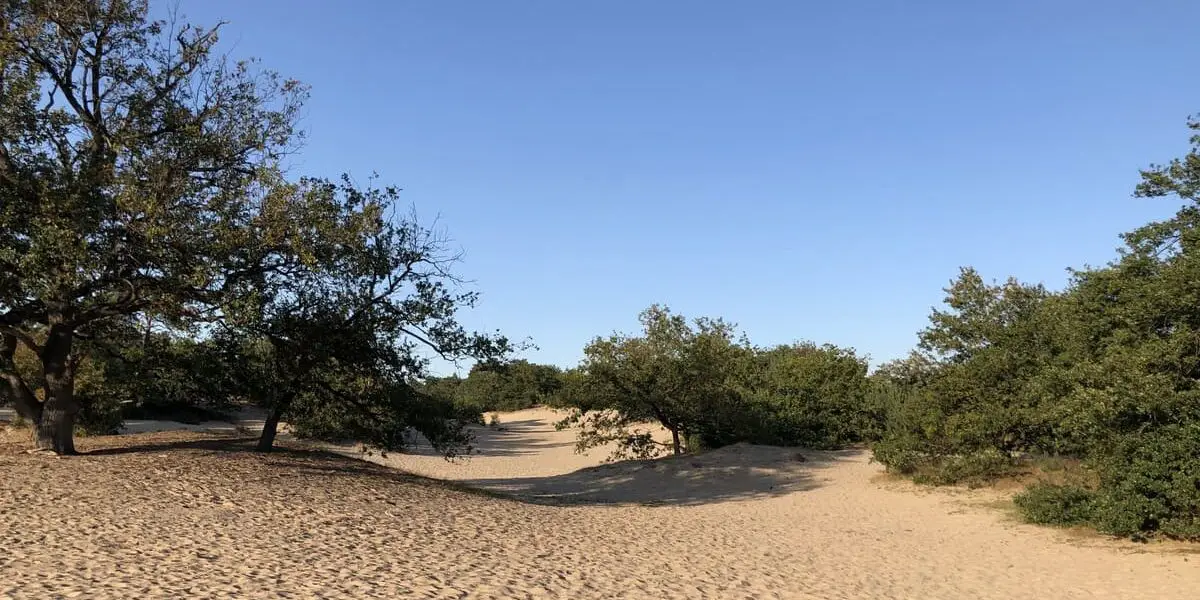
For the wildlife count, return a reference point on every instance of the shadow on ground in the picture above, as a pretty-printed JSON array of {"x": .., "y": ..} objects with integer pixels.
[
  {"x": 739, "y": 472},
  {"x": 163, "y": 442},
  {"x": 511, "y": 438}
]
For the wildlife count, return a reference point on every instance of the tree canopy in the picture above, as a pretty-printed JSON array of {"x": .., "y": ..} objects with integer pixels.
[{"x": 141, "y": 177}]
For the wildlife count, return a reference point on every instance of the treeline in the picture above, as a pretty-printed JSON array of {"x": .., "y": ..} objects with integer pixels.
[
  {"x": 499, "y": 386},
  {"x": 706, "y": 386},
  {"x": 709, "y": 387}
]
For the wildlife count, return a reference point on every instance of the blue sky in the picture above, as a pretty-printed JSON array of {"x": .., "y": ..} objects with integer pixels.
[{"x": 807, "y": 170}]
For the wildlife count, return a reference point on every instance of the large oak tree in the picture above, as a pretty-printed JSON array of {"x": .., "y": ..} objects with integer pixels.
[{"x": 139, "y": 173}]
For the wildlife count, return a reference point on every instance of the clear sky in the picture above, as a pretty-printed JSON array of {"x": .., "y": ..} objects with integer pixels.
[{"x": 808, "y": 170}]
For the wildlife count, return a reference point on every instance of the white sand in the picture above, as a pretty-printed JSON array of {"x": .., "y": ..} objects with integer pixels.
[{"x": 176, "y": 518}]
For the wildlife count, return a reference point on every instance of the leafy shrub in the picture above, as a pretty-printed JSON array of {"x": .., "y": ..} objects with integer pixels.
[
  {"x": 100, "y": 401},
  {"x": 1151, "y": 482},
  {"x": 1052, "y": 504},
  {"x": 913, "y": 439},
  {"x": 899, "y": 458},
  {"x": 807, "y": 395},
  {"x": 99, "y": 416},
  {"x": 503, "y": 386}
]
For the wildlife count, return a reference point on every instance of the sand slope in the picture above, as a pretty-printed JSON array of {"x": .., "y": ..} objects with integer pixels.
[{"x": 169, "y": 515}]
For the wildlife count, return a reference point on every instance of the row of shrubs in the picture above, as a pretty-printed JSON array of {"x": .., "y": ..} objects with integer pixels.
[
  {"x": 1105, "y": 371},
  {"x": 798, "y": 394}
]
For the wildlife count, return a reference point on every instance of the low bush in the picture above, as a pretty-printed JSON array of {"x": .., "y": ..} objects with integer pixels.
[
  {"x": 1150, "y": 482},
  {"x": 1053, "y": 504}
]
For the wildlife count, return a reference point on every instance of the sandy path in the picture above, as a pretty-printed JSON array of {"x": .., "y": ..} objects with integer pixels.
[{"x": 189, "y": 521}]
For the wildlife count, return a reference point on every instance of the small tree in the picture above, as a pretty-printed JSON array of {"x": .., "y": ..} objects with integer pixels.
[
  {"x": 993, "y": 389},
  {"x": 675, "y": 373},
  {"x": 337, "y": 341}
]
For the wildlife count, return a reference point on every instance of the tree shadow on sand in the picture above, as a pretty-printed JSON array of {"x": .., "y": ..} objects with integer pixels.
[
  {"x": 301, "y": 457},
  {"x": 739, "y": 472},
  {"x": 160, "y": 442},
  {"x": 734, "y": 473},
  {"x": 511, "y": 438}
]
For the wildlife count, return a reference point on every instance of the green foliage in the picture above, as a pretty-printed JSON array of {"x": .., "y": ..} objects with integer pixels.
[
  {"x": 1106, "y": 370},
  {"x": 101, "y": 412},
  {"x": 147, "y": 374},
  {"x": 915, "y": 370},
  {"x": 479, "y": 391},
  {"x": 138, "y": 175},
  {"x": 333, "y": 341},
  {"x": 575, "y": 392},
  {"x": 809, "y": 395},
  {"x": 507, "y": 386},
  {"x": 1053, "y": 504},
  {"x": 141, "y": 179},
  {"x": 445, "y": 390},
  {"x": 709, "y": 389},
  {"x": 977, "y": 395},
  {"x": 676, "y": 373},
  {"x": 1151, "y": 482},
  {"x": 975, "y": 468}
]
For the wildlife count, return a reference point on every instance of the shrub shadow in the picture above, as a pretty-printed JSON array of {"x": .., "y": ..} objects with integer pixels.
[{"x": 739, "y": 472}]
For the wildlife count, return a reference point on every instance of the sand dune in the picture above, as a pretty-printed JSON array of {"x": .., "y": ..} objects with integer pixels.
[
  {"x": 526, "y": 457},
  {"x": 185, "y": 514}
]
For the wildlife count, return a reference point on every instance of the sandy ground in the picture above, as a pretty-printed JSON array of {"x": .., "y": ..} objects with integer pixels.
[{"x": 186, "y": 514}]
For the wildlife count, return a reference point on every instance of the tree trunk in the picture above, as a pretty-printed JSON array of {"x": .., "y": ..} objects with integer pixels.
[
  {"x": 55, "y": 429},
  {"x": 266, "y": 441},
  {"x": 669, "y": 424}
]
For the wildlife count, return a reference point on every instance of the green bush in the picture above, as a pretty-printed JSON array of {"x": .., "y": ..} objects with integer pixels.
[
  {"x": 1051, "y": 504},
  {"x": 899, "y": 458},
  {"x": 503, "y": 387},
  {"x": 1150, "y": 482},
  {"x": 914, "y": 439},
  {"x": 99, "y": 416},
  {"x": 100, "y": 400},
  {"x": 807, "y": 395}
]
